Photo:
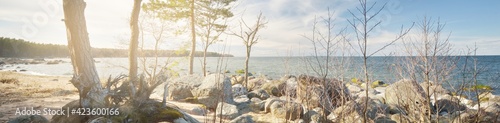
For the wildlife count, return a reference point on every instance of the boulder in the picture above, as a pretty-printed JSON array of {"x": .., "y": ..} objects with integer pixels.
[
  {"x": 257, "y": 105},
  {"x": 434, "y": 89},
  {"x": 399, "y": 118},
  {"x": 275, "y": 88},
  {"x": 29, "y": 119},
  {"x": 239, "y": 90},
  {"x": 179, "y": 91},
  {"x": 291, "y": 86},
  {"x": 493, "y": 108},
  {"x": 259, "y": 93},
  {"x": 286, "y": 110},
  {"x": 243, "y": 119},
  {"x": 214, "y": 88},
  {"x": 353, "y": 88},
  {"x": 378, "y": 83},
  {"x": 357, "y": 81},
  {"x": 256, "y": 83},
  {"x": 317, "y": 92},
  {"x": 180, "y": 88},
  {"x": 269, "y": 102},
  {"x": 241, "y": 99},
  {"x": 449, "y": 104},
  {"x": 488, "y": 96},
  {"x": 227, "y": 111},
  {"x": 196, "y": 110},
  {"x": 312, "y": 116},
  {"x": 237, "y": 80},
  {"x": 470, "y": 116},
  {"x": 300, "y": 121},
  {"x": 409, "y": 96},
  {"x": 352, "y": 111}
]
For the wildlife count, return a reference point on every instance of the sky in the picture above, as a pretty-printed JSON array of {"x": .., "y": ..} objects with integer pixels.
[{"x": 468, "y": 23}]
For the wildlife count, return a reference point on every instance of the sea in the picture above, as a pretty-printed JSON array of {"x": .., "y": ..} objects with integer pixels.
[{"x": 383, "y": 68}]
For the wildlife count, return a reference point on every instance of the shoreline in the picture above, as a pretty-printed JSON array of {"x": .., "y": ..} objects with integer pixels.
[{"x": 53, "y": 92}]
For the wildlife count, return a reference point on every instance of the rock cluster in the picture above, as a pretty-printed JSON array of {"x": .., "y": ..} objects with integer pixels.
[{"x": 325, "y": 100}]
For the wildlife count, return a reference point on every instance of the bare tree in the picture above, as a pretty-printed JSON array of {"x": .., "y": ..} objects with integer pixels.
[
  {"x": 158, "y": 29},
  {"x": 134, "y": 40},
  {"x": 212, "y": 23},
  {"x": 85, "y": 77},
  {"x": 326, "y": 40},
  {"x": 429, "y": 58},
  {"x": 249, "y": 37},
  {"x": 361, "y": 26}
]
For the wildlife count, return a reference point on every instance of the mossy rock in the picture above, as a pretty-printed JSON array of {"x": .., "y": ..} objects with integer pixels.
[
  {"x": 240, "y": 71},
  {"x": 357, "y": 81},
  {"x": 148, "y": 112},
  {"x": 480, "y": 87},
  {"x": 378, "y": 83}
]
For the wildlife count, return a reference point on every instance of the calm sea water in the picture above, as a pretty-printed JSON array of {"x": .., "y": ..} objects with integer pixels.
[{"x": 381, "y": 68}]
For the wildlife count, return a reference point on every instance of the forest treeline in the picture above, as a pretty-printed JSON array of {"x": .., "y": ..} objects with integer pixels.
[{"x": 19, "y": 48}]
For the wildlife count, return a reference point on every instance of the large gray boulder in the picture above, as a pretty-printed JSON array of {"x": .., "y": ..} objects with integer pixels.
[
  {"x": 400, "y": 118},
  {"x": 286, "y": 110},
  {"x": 434, "y": 89},
  {"x": 256, "y": 83},
  {"x": 312, "y": 116},
  {"x": 227, "y": 111},
  {"x": 259, "y": 93},
  {"x": 179, "y": 88},
  {"x": 214, "y": 88},
  {"x": 243, "y": 119},
  {"x": 269, "y": 102},
  {"x": 317, "y": 92},
  {"x": 239, "y": 90},
  {"x": 449, "y": 104},
  {"x": 352, "y": 111},
  {"x": 237, "y": 79},
  {"x": 275, "y": 88},
  {"x": 409, "y": 96}
]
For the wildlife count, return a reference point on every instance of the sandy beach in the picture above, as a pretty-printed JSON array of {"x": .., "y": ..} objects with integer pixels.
[{"x": 39, "y": 92}]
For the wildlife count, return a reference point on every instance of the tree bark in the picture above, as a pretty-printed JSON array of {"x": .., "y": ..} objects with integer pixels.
[
  {"x": 249, "y": 49},
  {"x": 204, "y": 65},
  {"x": 85, "y": 77},
  {"x": 134, "y": 40},
  {"x": 193, "y": 42}
]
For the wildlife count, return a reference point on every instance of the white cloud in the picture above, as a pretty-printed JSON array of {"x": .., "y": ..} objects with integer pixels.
[{"x": 288, "y": 20}]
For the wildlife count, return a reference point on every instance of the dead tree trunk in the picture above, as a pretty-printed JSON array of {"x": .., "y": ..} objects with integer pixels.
[
  {"x": 85, "y": 77},
  {"x": 134, "y": 40}
]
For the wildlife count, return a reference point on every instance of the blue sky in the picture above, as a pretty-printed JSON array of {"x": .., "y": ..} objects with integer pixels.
[{"x": 470, "y": 22}]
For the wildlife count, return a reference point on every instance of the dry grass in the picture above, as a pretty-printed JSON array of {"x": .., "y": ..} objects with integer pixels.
[{"x": 9, "y": 81}]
